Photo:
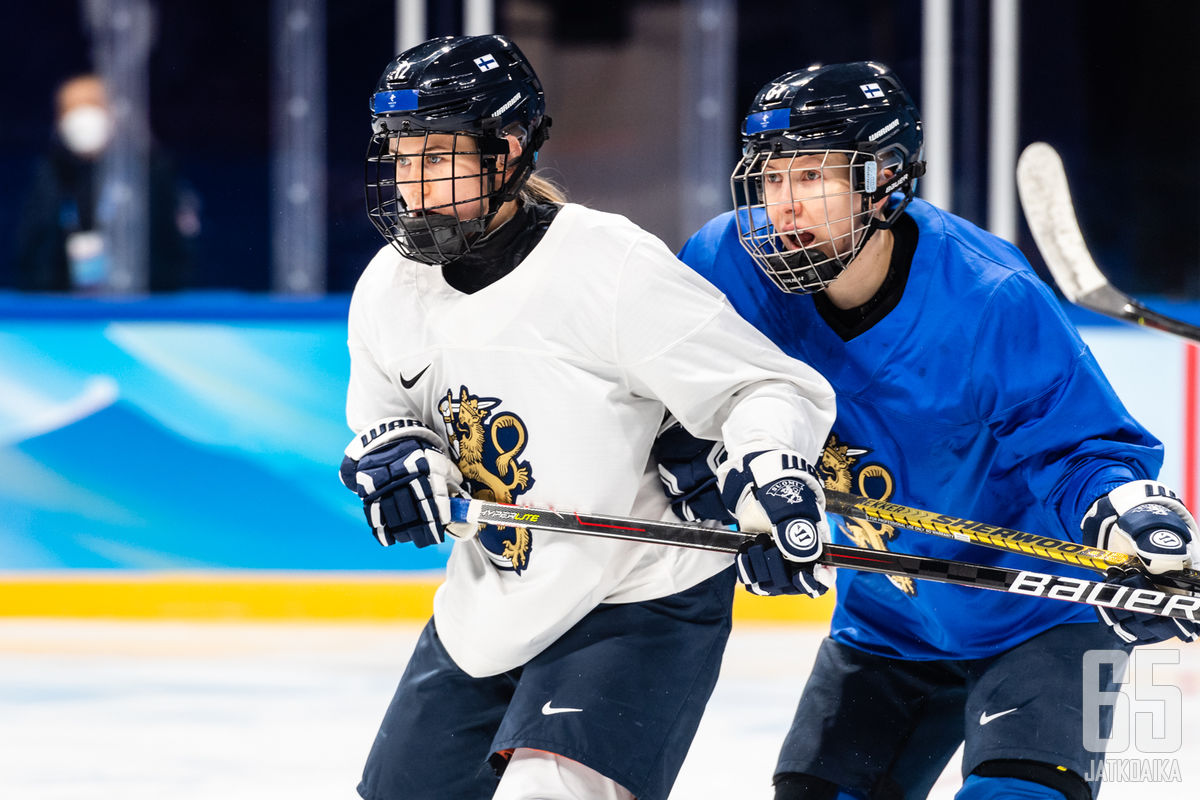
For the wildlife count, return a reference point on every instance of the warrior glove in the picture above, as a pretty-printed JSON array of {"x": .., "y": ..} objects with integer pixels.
[
  {"x": 776, "y": 492},
  {"x": 1143, "y": 519},
  {"x": 398, "y": 467},
  {"x": 1146, "y": 519},
  {"x": 763, "y": 569}
]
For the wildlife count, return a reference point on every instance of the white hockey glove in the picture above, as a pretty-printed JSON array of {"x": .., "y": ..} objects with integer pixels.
[
  {"x": 398, "y": 468},
  {"x": 1147, "y": 520},
  {"x": 777, "y": 492}
]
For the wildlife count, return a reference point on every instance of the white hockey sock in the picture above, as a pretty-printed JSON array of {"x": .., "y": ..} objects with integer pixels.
[{"x": 538, "y": 775}]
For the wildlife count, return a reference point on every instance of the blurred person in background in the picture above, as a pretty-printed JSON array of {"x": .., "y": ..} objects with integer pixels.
[{"x": 61, "y": 242}]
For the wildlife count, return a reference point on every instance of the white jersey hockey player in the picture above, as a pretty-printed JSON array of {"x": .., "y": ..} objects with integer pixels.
[{"x": 525, "y": 350}]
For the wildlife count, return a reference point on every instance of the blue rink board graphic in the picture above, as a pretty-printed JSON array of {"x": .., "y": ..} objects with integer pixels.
[
  {"x": 205, "y": 433},
  {"x": 180, "y": 445}
]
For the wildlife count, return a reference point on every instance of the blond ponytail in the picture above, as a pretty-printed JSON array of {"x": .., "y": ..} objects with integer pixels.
[{"x": 541, "y": 190}]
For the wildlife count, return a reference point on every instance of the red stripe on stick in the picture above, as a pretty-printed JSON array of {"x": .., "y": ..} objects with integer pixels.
[
  {"x": 876, "y": 560},
  {"x": 581, "y": 521}
]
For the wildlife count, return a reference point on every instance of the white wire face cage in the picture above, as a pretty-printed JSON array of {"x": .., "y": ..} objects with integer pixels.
[
  {"x": 803, "y": 215},
  {"x": 432, "y": 200}
]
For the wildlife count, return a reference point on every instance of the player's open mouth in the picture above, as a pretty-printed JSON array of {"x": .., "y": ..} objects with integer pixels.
[{"x": 796, "y": 240}]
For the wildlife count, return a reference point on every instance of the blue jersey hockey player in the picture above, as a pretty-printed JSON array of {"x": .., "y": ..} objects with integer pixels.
[{"x": 960, "y": 386}]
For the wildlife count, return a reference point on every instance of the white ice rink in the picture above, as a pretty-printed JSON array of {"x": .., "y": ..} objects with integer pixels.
[{"x": 208, "y": 711}]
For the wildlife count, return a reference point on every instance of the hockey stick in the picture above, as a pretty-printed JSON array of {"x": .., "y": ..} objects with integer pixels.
[
  {"x": 1183, "y": 605},
  {"x": 1046, "y": 199},
  {"x": 994, "y": 536}
]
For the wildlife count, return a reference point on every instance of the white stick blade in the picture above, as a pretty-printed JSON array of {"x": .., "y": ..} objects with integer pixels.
[{"x": 1046, "y": 200}]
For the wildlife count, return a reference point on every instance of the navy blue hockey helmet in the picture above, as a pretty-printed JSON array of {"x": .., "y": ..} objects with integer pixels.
[
  {"x": 477, "y": 89},
  {"x": 853, "y": 121}
]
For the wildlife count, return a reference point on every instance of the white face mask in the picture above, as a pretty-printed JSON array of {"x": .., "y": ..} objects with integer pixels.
[{"x": 86, "y": 130}]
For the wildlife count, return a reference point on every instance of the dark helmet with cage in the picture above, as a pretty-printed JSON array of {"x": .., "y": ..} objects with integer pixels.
[
  {"x": 441, "y": 115},
  {"x": 838, "y": 138}
]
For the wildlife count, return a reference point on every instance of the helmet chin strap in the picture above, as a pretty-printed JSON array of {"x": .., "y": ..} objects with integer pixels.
[
  {"x": 498, "y": 199},
  {"x": 873, "y": 224},
  {"x": 521, "y": 167}
]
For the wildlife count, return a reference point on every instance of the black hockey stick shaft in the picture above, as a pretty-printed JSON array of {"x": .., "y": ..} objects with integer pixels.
[
  {"x": 1183, "y": 605},
  {"x": 994, "y": 536},
  {"x": 1046, "y": 200},
  {"x": 1131, "y": 310}
]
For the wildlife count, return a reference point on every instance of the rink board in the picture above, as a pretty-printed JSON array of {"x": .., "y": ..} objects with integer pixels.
[
  {"x": 176, "y": 458},
  {"x": 282, "y": 597}
]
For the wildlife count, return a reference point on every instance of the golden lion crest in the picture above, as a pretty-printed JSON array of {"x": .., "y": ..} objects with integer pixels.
[
  {"x": 488, "y": 453},
  {"x": 836, "y": 469}
]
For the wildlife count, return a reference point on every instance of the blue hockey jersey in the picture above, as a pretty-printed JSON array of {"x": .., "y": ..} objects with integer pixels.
[{"x": 973, "y": 397}]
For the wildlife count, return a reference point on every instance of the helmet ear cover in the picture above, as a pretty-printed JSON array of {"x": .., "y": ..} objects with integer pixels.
[{"x": 900, "y": 180}]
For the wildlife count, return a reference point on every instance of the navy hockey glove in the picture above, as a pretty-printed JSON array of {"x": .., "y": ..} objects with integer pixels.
[
  {"x": 687, "y": 467},
  {"x": 777, "y": 492},
  {"x": 765, "y": 571},
  {"x": 1143, "y": 519},
  {"x": 404, "y": 479},
  {"x": 1133, "y": 628}
]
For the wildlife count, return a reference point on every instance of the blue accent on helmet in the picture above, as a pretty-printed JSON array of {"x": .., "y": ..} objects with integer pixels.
[
  {"x": 763, "y": 121},
  {"x": 394, "y": 100}
]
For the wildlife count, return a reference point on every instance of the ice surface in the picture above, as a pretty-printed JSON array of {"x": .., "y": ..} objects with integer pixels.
[{"x": 198, "y": 711}]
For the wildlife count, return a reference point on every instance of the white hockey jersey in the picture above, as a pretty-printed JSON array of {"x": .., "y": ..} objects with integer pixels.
[{"x": 550, "y": 385}]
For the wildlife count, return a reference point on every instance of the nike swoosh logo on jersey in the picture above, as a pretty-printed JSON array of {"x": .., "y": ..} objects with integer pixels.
[
  {"x": 408, "y": 384},
  {"x": 549, "y": 709},
  {"x": 985, "y": 718}
]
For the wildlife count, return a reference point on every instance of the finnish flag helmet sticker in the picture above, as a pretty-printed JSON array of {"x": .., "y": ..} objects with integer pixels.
[
  {"x": 871, "y": 90},
  {"x": 486, "y": 62}
]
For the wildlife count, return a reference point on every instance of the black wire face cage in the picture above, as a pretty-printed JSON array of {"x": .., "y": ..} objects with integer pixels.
[
  {"x": 434, "y": 198},
  {"x": 803, "y": 215}
]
